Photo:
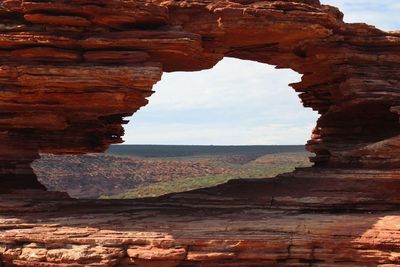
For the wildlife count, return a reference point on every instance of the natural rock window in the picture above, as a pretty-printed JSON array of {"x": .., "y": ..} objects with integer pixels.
[
  {"x": 235, "y": 103},
  {"x": 71, "y": 71},
  {"x": 68, "y": 93}
]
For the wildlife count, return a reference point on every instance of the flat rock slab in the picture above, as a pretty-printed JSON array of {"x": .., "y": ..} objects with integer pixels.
[
  {"x": 152, "y": 236},
  {"x": 203, "y": 228}
]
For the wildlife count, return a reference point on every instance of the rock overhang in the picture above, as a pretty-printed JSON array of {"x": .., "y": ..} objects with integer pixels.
[{"x": 72, "y": 70}]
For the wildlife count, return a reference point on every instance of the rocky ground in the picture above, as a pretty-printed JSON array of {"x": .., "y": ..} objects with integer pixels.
[{"x": 296, "y": 220}]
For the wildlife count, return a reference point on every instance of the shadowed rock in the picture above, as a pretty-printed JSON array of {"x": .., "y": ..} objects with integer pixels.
[{"x": 70, "y": 71}]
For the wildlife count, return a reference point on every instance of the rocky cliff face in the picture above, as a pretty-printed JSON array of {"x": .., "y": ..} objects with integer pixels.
[{"x": 72, "y": 70}]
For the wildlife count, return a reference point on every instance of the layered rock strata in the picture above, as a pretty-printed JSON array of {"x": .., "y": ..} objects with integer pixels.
[
  {"x": 71, "y": 71},
  {"x": 271, "y": 222}
]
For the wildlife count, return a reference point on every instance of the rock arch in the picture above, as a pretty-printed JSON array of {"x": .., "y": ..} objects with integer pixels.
[{"x": 72, "y": 70}]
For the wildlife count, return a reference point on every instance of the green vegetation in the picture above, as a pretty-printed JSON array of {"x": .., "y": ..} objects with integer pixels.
[
  {"x": 263, "y": 167},
  {"x": 171, "y": 186},
  {"x": 130, "y": 171}
]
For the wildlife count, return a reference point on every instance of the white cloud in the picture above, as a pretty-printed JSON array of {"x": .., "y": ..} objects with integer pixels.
[
  {"x": 240, "y": 102},
  {"x": 229, "y": 84},
  {"x": 237, "y": 102},
  {"x": 383, "y": 14}
]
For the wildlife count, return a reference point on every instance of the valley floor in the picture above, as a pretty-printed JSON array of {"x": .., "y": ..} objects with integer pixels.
[{"x": 168, "y": 170}]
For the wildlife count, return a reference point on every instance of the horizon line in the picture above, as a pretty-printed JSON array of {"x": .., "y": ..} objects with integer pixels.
[{"x": 202, "y": 145}]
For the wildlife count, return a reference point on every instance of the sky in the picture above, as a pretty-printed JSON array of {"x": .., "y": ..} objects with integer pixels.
[{"x": 240, "y": 102}]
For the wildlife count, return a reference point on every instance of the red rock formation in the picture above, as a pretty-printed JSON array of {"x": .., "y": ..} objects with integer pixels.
[
  {"x": 299, "y": 220},
  {"x": 71, "y": 71}
]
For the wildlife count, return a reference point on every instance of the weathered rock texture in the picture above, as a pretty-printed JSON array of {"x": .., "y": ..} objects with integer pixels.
[
  {"x": 71, "y": 71},
  {"x": 272, "y": 222}
]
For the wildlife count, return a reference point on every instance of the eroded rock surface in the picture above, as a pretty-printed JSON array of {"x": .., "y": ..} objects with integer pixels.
[
  {"x": 71, "y": 71},
  {"x": 284, "y": 221}
]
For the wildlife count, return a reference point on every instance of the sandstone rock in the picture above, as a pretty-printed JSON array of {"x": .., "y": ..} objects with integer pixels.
[
  {"x": 71, "y": 71},
  {"x": 221, "y": 226},
  {"x": 33, "y": 254},
  {"x": 92, "y": 64},
  {"x": 154, "y": 253}
]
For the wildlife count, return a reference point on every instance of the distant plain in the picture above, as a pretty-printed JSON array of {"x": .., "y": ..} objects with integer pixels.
[{"x": 135, "y": 171}]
